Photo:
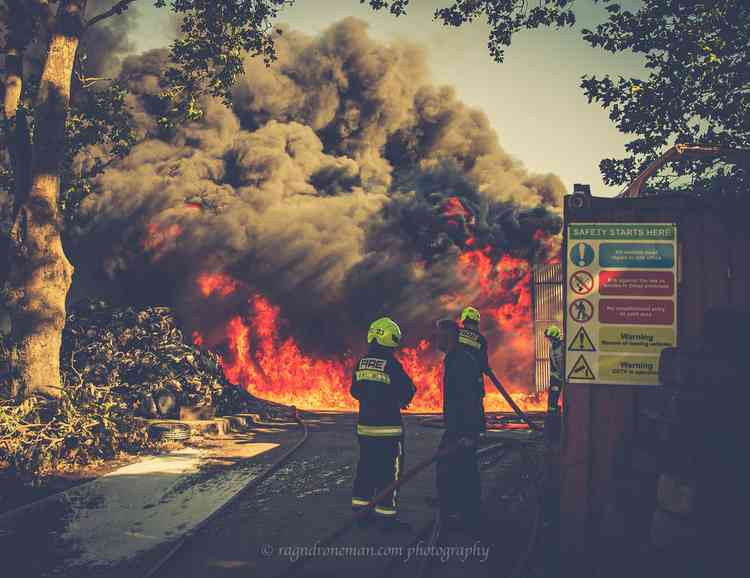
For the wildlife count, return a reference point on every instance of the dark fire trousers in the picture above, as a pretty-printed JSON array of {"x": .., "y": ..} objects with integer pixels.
[
  {"x": 458, "y": 483},
  {"x": 381, "y": 462}
]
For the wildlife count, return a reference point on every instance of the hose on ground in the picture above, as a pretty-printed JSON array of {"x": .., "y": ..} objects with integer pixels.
[
  {"x": 437, "y": 422},
  {"x": 433, "y": 526},
  {"x": 365, "y": 510}
]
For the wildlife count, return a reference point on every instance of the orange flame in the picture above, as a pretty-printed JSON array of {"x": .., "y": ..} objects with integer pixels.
[
  {"x": 259, "y": 359},
  {"x": 219, "y": 283},
  {"x": 159, "y": 237}
]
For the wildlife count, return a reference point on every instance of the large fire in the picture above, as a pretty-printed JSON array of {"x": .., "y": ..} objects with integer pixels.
[
  {"x": 275, "y": 368},
  {"x": 257, "y": 356}
]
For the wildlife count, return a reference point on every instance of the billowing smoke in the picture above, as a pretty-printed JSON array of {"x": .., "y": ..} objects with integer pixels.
[
  {"x": 104, "y": 44},
  {"x": 341, "y": 186}
]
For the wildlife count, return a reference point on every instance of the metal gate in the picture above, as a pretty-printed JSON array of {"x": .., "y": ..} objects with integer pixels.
[{"x": 547, "y": 295}]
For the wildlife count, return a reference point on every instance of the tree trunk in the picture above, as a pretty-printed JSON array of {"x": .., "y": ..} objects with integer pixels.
[
  {"x": 13, "y": 85},
  {"x": 40, "y": 273}
]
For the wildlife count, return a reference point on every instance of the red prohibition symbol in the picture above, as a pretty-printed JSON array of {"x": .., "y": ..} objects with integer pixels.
[
  {"x": 581, "y": 310},
  {"x": 581, "y": 282}
]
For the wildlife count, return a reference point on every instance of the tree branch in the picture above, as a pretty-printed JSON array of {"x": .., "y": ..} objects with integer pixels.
[
  {"x": 89, "y": 81},
  {"x": 118, "y": 8}
]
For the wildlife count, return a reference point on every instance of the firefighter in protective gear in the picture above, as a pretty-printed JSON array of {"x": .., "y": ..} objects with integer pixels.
[
  {"x": 556, "y": 342},
  {"x": 458, "y": 482},
  {"x": 475, "y": 343},
  {"x": 383, "y": 389}
]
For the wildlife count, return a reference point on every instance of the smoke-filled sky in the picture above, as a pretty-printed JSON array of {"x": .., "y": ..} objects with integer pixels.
[
  {"x": 532, "y": 100},
  {"x": 342, "y": 183},
  {"x": 373, "y": 169}
]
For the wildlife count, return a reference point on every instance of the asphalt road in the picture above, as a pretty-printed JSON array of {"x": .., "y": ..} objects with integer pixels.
[{"x": 267, "y": 528}]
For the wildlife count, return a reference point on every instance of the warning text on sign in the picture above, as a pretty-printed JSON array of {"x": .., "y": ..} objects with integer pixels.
[
  {"x": 642, "y": 369},
  {"x": 631, "y": 340},
  {"x": 637, "y": 255},
  {"x": 641, "y": 231},
  {"x": 637, "y": 311},
  {"x": 640, "y": 283}
]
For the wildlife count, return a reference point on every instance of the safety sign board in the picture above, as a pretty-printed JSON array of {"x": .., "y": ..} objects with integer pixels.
[{"x": 621, "y": 301}]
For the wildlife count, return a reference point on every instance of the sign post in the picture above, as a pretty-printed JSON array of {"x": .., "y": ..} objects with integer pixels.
[{"x": 622, "y": 301}]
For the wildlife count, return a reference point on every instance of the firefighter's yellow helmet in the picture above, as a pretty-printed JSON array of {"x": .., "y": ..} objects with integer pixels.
[
  {"x": 385, "y": 331},
  {"x": 470, "y": 314},
  {"x": 553, "y": 332}
]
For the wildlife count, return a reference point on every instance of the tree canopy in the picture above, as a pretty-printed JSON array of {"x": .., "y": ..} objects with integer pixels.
[{"x": 697, "y": 88}]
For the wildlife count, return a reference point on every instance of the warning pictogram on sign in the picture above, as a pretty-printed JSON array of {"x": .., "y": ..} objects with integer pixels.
[
  {"x": 581, "y": 342},
  {"x": 581, "y": 310},
  {"x": 581, "y": 282},
  {"x": 581, "y": 370},
  {"x": 581, "y": 254}
]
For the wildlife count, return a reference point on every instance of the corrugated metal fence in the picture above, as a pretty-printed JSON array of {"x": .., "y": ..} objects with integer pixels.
[{"x": 548, "y": 309}]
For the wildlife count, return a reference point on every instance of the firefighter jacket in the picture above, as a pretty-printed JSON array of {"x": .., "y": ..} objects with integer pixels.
[
  {"x": 476, "y": 344},
  {"x": 463, "y": 411},
  {"x": 556, "y": 359},
  {"x": 382, "y": 388}
]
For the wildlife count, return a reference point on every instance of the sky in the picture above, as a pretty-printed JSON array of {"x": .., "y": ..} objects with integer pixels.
[{"x": 533, "y": 98}]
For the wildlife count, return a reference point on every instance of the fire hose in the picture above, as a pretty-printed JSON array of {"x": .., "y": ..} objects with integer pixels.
[
  {"x": 433, "y": 528},
  {"x": 252, "y": 484},
  {"x": 509, "y": 399},
  {"x": 336, "y": 534},
  {"x": 435, "y": 422}
]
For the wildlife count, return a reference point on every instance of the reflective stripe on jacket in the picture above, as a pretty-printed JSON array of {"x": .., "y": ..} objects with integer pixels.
[
  {"x": 476, "y": 344},
  {"x": 382, "y": 388}
]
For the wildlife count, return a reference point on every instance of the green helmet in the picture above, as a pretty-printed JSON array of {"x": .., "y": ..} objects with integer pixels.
[
  {"x": 470, "y": 314},
  {"x": 553, "y": 332},
  {"x": 385, "y": 332}
]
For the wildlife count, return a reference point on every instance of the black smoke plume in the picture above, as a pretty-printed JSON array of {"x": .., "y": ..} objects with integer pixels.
[{"x": 324, "y": 188}]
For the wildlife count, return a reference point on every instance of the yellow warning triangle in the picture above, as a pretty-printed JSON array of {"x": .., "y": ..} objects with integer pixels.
[
  {"x": 581, "y": 369},
  {"x": 581, "y": 342}
]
